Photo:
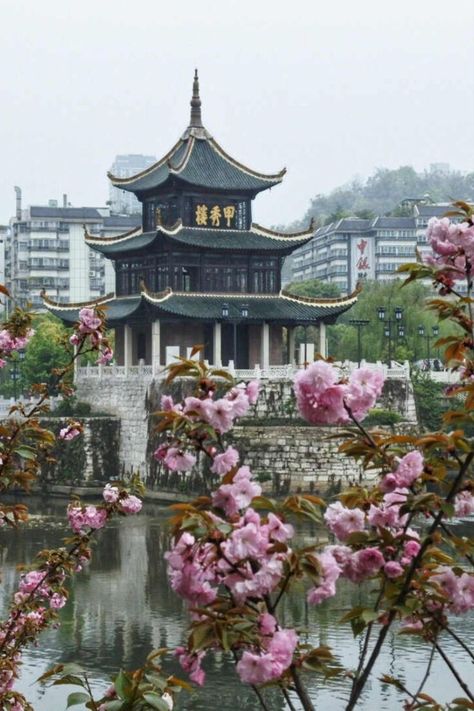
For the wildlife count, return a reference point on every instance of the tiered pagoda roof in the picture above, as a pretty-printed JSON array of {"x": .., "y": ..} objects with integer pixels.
[
  {"x": 256, "y": 238},
  {"x": 284, "y": 307},
  {"x": 198, "y": 160}
]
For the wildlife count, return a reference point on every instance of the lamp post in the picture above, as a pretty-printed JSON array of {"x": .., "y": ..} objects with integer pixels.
[
  {"x": 244, "y": 312},
  {"x": 359, "y": 323},
  {"x": 428, "y": 337},
  {"x": 388, "y": 323}
]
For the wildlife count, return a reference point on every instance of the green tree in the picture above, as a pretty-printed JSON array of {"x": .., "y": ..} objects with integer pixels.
[
  {"x": 411, "y": 298},
  {"x": 382, "y": 192},
  {"x": 45, "y": 352},
  {"x": 315, "y": 288}
]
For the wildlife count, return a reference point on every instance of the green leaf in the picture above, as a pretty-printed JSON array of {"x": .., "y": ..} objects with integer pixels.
[
  {"x": 156, "y": 702},
  {"x": 76, "y": 698},
  {"x": 370, "y": 615},
  {"x": 70, "y": 680},
  {"x": 25, "y": 452},
  {"x": 115, "y": 705},
  {"x": 123, "y": 685}
]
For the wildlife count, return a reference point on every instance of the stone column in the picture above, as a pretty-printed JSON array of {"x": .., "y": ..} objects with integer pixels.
[
  {"x": 217, "y": 345},
  {"x": 127, "y": 346},
  {"x": 265, "y": 346},
  {"x": 291, "y": 344},
  {"x": 322, "y": 339},
  {"x": 155, "y": 347}
]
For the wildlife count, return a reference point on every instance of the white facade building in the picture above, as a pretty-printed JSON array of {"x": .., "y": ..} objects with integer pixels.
[
  {"x": 355, "y": 249},
  {"x": 45, "y": 249},
  {"x": 121, "y": 201}
]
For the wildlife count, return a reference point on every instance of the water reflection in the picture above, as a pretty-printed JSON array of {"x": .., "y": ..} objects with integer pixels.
[{"x": 121, "y": 608}]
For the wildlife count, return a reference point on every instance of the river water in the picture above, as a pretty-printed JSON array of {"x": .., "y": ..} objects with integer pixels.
[{"x": 121, "y": 607}]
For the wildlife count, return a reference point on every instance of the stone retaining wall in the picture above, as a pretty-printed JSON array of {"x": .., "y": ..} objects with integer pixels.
[
  {"x": 294, "y": 455},
  {"x": 90, "y": 458}
]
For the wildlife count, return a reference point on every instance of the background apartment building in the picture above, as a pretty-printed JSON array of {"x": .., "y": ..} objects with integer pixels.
[
  {"x": 121, "y": 201},
  {"x": 45, "y": 249},
  {"x": 354, "y": 249}
]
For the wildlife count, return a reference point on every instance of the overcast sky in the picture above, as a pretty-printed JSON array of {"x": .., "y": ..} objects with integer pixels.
[{"x": 331, "y": 90}]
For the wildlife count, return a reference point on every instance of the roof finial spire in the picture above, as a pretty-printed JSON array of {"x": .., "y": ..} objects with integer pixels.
[{"x": 196, "y": 120}]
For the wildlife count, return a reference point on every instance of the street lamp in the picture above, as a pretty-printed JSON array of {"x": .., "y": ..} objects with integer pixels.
[
  {"x": 428, "y": 337},
  {"x": 359, "y": 323},
  {"x": 398, "y": 333}
]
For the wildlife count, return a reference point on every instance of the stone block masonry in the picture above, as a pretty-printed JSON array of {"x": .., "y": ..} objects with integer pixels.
[
  {"x": 295, "y": 459},
  {"x": 89, "y": 459},
  {"x": 124, "y": 398},
  {"x": 281, "y": 451}
]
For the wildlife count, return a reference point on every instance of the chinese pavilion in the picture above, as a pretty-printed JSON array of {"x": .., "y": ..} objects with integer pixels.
[{"x": 198, "y": 270}]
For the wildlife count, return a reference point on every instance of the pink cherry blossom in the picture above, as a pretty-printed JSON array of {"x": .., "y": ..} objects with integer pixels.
[
  {"x": 56, "y": 601},
  {"x": 330, "y": 571},
  {"x": 177, "y": 460},
  {"x": 464, "y": 504},
  {"x": 105, "y": 357},
  {"x": 224, "y": 498},
  {"x": 392, "y": 569},
  {"x": 88, "y": 320},
  {"x": 409, "y": 468},
  {"x": 224, "y": 462},
  {"x": 311, "y": 386},
  {"x": 343, "y": 521},
  {"x": 252, "y": 390},
  {"x": 131, "y": 504},
  {"x": 80, "y": 519},
  {"x": 411, "y": 548},
  {"x": 191, "y": 663},
  {"x": 239, "y": 400},
  {"x": 267, "y": 623},
  {"x": 168, "y": 404},
  {"x": 218, "y": 413},
  {"x": 255, "y": 668},
  {"x": 110, "y": 494},
  {"x": 277, "y": 530},
  {"x": 365, "y": 386},
  {"x": 68, "y": 433}
]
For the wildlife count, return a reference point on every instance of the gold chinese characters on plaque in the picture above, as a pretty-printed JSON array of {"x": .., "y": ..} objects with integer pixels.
[{"x": 214, "y": 216}]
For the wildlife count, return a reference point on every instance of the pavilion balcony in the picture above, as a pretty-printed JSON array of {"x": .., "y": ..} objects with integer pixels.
[{"x": 397, "y": 371}]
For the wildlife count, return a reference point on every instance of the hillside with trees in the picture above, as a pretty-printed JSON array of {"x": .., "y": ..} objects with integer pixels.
[{"x": 383, "y": 191}]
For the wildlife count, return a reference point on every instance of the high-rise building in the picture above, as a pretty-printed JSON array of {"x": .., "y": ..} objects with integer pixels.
[
  {"x": 353, "y": 249},
  {"x": 121, "y": 201},
  {"x": 45, "y": 250}
]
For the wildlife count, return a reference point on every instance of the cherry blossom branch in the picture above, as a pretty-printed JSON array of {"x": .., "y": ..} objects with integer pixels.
[
  {"x": 453, "y": 671},
  {"x": 456, "y": 637},
  {"x": 426, "y": 674},
  {"x": 301, "y": 690},
  {"x": 361, "y": 681}
]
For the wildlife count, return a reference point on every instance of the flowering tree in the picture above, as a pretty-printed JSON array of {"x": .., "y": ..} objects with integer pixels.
[
  {"x": 42, "y": 589},
  {"x": 234, "y": 556}
]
